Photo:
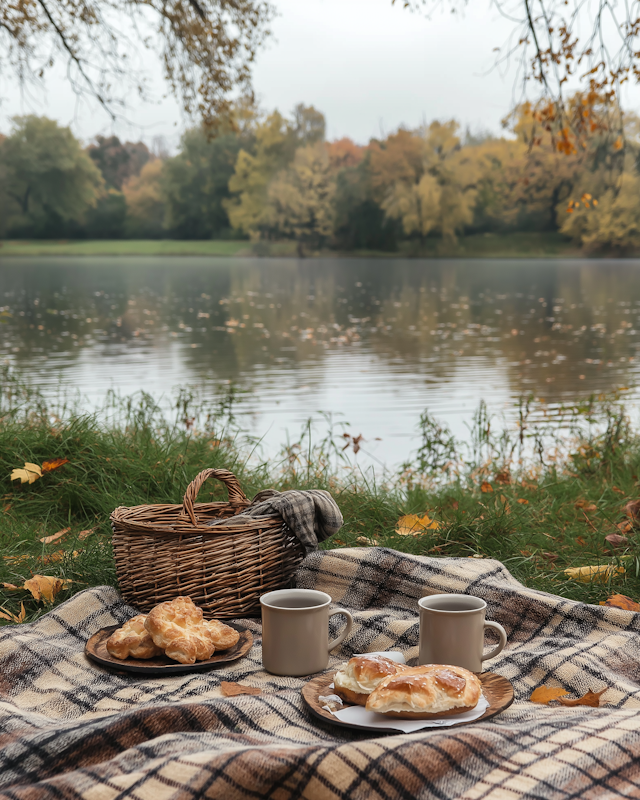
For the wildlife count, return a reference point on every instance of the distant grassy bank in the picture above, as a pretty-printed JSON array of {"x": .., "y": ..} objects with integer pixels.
[
  {"x": 538, "y": 520},
  {"x": 513, "y": 245}
]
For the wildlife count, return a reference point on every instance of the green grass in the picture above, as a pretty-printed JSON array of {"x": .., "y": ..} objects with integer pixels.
[
  {"x": 509, "y": 245},
  {"x": 543, "y": 520}
]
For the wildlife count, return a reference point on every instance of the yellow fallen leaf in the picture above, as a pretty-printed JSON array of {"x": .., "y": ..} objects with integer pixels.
[
  {"x": 596, "y": 574},
  {"x": 523, "y": 502},
  {"x": 29, "y": 474},
  {"x": 54, "y": 463},
  {"x": 10, "y": 586},
  {"x": 55, "y": 536},
  {"x": 621, "y": 601},
  {"x": 486, "y": 487},
  {"x": 16, "y": 559},
  {"x": 415, "y": 525},
  {"x": 45, "y": 587},
  {"x": 545, "y": 694}
]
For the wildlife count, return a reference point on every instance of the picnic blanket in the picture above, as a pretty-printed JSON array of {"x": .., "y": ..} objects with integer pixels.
[
  {"x": 312, "y": 515},
  {"x": 71, "y": 729}
]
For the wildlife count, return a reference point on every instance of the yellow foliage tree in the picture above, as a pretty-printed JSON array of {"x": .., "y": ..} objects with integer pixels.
[
  {"x": 427, "y": 180},
  {"x": 145, "y": 200},
  {"x": 301, "y": 197}
]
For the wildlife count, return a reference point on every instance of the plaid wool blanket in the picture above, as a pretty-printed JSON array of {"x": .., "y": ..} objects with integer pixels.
[{"x": 71, "y": 729}]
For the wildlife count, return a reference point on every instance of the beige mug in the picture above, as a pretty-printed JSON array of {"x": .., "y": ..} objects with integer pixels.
[
  {"x": 452, "y": 630},
  {"x": 295, "y": 631}
]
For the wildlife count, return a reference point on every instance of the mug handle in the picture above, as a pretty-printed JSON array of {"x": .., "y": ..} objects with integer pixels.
[
  {"x": 503, "y": 639},
  {"x": 339, "y": 639}
]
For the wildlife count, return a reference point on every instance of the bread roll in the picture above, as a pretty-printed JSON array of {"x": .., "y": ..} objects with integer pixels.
[
  {"x": 356, "y": 679},
  {"x": 433, "y": 690}
]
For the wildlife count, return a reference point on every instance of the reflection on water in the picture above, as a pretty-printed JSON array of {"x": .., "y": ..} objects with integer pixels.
[{"x": 374, "y": 342}]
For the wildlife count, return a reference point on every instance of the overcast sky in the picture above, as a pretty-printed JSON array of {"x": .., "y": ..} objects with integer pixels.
[{"x": 370, "y": 66}]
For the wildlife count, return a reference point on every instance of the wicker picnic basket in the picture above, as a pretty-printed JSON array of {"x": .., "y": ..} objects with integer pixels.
[{"x": 163, "y": 551}]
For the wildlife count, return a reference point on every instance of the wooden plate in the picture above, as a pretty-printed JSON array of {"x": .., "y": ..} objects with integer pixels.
[
  {"x": 96, "y": 650},
  {"x": 497, "y": 690}
]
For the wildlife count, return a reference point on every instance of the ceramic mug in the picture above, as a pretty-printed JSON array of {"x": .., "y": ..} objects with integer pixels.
[
  {"x": 452, "y": 630},
  {"x": 295, "y": 631}
]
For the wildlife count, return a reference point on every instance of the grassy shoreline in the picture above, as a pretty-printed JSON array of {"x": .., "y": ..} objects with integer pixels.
[
  {"x": 537, "y": 519},
  {"x": 514, "y": 245}
]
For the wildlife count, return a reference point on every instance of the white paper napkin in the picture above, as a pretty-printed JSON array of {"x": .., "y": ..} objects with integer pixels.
[{"x": 358, "y": 715}]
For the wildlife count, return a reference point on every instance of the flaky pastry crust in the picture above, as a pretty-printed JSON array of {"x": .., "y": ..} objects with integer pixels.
[
  {"x": 433, "y": 690},
  {"x": 223, "y": 636},
  {"x": 132, "y": 640},
  {"x": 178, "y": 628},
  {"x": 356, "y": 679}
]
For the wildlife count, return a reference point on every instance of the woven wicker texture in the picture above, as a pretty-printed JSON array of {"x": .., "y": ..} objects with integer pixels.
[{"x": 163, "y": 551}]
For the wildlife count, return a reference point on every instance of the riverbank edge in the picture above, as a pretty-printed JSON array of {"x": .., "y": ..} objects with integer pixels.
[{"x": 511, "y": 246}]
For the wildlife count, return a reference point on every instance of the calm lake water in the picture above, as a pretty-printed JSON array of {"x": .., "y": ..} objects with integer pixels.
[{"x": 372, "y": 342}]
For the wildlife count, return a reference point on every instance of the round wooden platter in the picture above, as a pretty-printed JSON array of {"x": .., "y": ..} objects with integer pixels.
[
  {"x": 497, "y": 690},
  {"x": 96, "y": 650}
]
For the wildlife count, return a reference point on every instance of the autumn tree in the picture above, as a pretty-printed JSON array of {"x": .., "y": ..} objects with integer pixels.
[
  {"x": 48, "y": 177},
  {"x": 301, "y": 198},
  {"x": 426, "y": 180},
  {"x": 145, "y": 198},
  {"x": 276, "y": 141},
  {"x": 206, "y": 47},
  {"x": 116, "y": 161}
]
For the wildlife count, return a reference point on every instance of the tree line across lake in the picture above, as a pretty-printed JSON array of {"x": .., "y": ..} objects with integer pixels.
[{"x": 271, "y": 177}]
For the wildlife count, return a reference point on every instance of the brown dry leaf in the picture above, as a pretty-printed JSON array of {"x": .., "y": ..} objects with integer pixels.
[
  {"x": 83, "y": 534},
  {"x": 532, "y": 487},
  {"x": 16, "y": 559},
  {"x": 596, "y": 574},
  {"x": 589, "y": 699},
  {"x": 551, "y": 557},
  {"x": 503, "y": 477},
  {"x": 621, "y": 601},
  {"x": 10, "y": 586},
  {"x": 12, "y": 617},
  {"x": 339, "y": 542},
  {"x": 455, "y": 505},
  {"x": 58, "y": 555},
  {"x": 523, "y": 502},
  {"x": 368, "y": 542},
  {"x": 7, "y": 508},
  {"x": 230, "y": 689},
  {"x": 632, "y": 510},
  {"x": 415, "y": 525},
  {"x": 29, "y": 474},
  {"x": 616, "y": 540},
  {"x": 624, "y": 527},
  {"x": 54, "y": 463},
  {"x": 486, "y": 487},
  {"x": 581, "y": 541},
  {"x": 545, "y": 694},
  {"x": 55, "y": 536},
  {"x": 585, "y": 505},
  {"x": 45, "y": 587},
  {"x": 615, "y": 489}
]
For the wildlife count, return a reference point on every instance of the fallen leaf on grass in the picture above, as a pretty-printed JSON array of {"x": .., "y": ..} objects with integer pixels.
[
  {"x": 503, "y": 477},
  {"x": 12, "y": 617},
  {"x": 486, "y": 487},
  {"x": 589, "y": 699},
  {"x": 581, "y": 541},
  {"x": 7, "y": 508},
  {"x": 632, "y": 510},
  {"x": 83, "y": 534},
  {"x": 29, "y": 474},
  {"x": 550, "y": 556},
  {"x": 54, "y": 463},
  {"x": 455, "y": 505},
  {"x": 230, "y": 689},
  {"x": 585, "y": 505},
  {"x": 618, "y": 491},
  {"x": 545, "y": 694},
  {"x": 415, "y": 525},
  {"x": 338, "y": 542},
  {"x": 55, "y": 536},
  {"x": 45, "y": 587},
  {"x": 523, "y": 502},
  {"x": 366, "y": 541},
  {"x": 624, "y": 527},
  {"x": 16, "y": 559},
  {"x": 616, "y": 540},
  {"x": 595, "y": 574},
  {"x": 621, "y": 601},
  {"x": 10, "y": 586}
]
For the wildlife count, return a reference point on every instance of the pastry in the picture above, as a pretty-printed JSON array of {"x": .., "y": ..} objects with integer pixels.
[
  {"x": 223, "y": 636},
  {"x": 433, "y": 690},
  {"x": 356, "y": 679},
  {"x": 178, "y": 628},
  {"x": 132, "y": 640}
]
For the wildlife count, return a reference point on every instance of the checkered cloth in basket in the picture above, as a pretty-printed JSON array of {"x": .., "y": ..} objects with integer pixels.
[{"x": 71, "y": 729}]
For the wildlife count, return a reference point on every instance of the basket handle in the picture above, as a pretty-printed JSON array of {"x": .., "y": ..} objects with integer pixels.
[{"x": 236, "y": 495}]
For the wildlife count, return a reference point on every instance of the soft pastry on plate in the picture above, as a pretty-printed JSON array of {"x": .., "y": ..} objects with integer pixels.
[
  {"x": 356, "y": 679},
  {"x": 177, "y": 626},
  {"x": 132, "y": 640},
  {"x": 432, "y": 690}
]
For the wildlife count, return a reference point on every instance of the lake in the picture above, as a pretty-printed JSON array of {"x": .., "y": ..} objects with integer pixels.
[{"x": 371, "y": 342}]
